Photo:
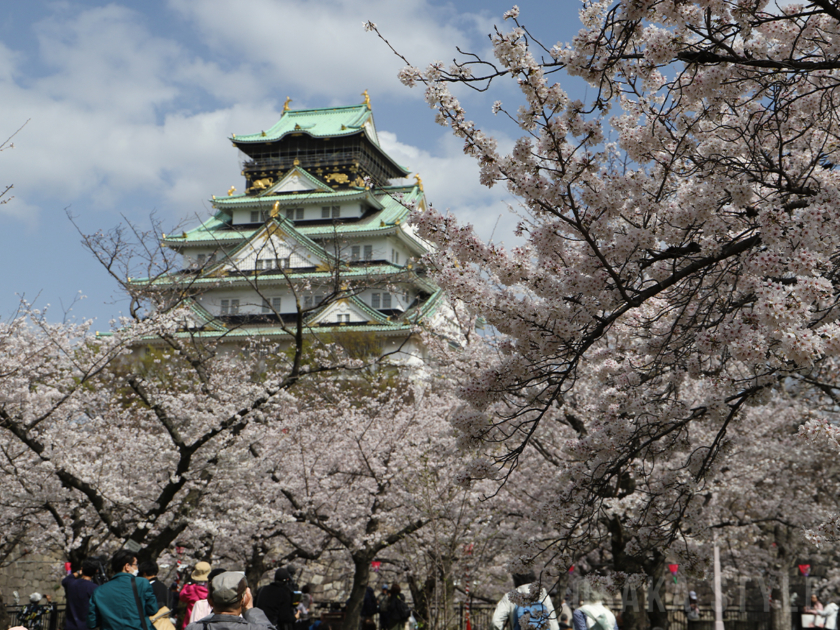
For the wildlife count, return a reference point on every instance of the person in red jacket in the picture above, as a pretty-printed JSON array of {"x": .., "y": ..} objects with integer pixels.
[{"x": 195, "y": 589}]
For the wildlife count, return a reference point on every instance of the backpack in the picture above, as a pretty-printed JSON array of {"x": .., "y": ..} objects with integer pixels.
[
  {"x": 537, "y": 616},
  {"x": 402, "y": 610}
]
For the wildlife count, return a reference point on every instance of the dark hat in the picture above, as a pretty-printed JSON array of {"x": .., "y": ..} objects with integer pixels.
[
  {"x": 281, "y": 575},
  {"x": 227, "y": 588}
]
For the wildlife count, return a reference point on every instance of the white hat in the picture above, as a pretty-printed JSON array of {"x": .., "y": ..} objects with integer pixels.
[
  {"x": 692, "y": 595},
  {"x": 35, "y": 598}
]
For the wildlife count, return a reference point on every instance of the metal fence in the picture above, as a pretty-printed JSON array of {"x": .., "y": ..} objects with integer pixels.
[
  {"x": 52, "y": 619},
  {"x": 481, "y": 618}
]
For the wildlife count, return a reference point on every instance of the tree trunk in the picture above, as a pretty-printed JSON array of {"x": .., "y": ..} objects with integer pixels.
[
  {"x": 657, "y": 613},
  {"x": 5, "y": 621},
  {"x": 255, "y": 567},
  {"x": 421, "y": 595},
  {"x": 633, "y": 613},
  {"x": 361, "y": 575},
  {"x": 780, "y": 619}
]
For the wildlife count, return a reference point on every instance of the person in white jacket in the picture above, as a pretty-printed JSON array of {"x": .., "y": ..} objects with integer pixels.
[
  {"x": 830, "y": 614},
  {"x": 593, "y": 615},
  {"x": 505, "y": 608}
]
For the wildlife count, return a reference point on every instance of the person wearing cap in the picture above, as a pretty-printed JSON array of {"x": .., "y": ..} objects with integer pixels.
[
  {"x": 233, "y": 606},
  {"x": 196, "y": 589},
  {"x": 202, "y": 607},
  {"x": 116, "y": 604},
  {"x": 692, "y": 608},
  {"x": 277, "y": 600},
  {"x": 33, "y": 612}
]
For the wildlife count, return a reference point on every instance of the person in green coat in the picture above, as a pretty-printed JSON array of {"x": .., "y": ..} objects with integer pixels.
[{"x": 113, "y": 605}]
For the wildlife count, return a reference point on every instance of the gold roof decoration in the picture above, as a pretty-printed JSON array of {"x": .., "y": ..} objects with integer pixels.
[
  {"x": 231, "y": 190},
  {"x": 286, "y": 104},
  {"x": 419, "y": 181},
  {"x": 367, "y": 99},
  {"x": 275, "y": 210}
]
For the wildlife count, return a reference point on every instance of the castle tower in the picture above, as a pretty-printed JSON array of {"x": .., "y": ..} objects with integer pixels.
[{"x": 317, "y": 239}]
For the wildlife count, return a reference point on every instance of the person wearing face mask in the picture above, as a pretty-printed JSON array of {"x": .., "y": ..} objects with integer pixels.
[{"x": 118, "y": 604}]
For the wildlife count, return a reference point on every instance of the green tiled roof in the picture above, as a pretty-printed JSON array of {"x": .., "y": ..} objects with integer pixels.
[
  {"x": 286, "y": 199},
  {"x": 319, "y": 123},
  {"x": 218, "y": 228},
  {"x": 276, "y": 331},
  {"x": 264, "y": 278}
]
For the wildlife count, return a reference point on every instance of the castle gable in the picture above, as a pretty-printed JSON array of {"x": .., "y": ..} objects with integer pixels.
[{"x": 295, "y": 181}]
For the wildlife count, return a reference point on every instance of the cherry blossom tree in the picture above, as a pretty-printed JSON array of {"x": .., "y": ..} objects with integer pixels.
[
  {"x": 125, "y": 430},
  {"x": 680, "y": 246},
  {"x": 352, "y": 463}
]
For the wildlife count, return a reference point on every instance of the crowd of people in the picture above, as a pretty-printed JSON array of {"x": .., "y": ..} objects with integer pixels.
[
  {"x": 534, "y": 609},
  {"x": 212, "y": 599},
  {"x": 216, "y": 599}
]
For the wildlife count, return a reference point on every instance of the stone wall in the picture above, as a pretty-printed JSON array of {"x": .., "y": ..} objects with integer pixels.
[{"x": 28, "y": 573}]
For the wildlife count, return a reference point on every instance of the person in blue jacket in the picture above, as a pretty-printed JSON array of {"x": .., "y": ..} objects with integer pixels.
[{"x": 114, "y": 605}]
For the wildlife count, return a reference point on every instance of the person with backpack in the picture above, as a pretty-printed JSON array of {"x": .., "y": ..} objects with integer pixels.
[
  {"x": 395, "y": 612},
  {"x": 593, "y": 615},
  {"x": 537, "y": 613},
  {"x": 195, "y": 589}
]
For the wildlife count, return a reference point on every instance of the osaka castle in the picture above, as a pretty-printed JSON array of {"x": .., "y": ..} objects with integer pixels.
[{"x": 317, "y": 238}]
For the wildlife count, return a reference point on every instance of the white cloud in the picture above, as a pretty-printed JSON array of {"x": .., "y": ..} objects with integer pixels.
[
  {"x": 116, "y": 121},
  {"x": 325, "y": 52},
  {"x": 105, "y": 122},
  {"x": 118, "y": 111},
  {"x": 450, "y": 180}
]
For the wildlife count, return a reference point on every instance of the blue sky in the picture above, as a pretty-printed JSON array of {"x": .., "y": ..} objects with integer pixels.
[{"x": 129, "y": 106}]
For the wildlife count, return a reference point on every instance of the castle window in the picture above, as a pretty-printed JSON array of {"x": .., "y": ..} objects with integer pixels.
[
  {"x": 272, "y": 306},
  {"x": 386, "y": 300},
  {"x": 308, "y": 301},
  {"x": 354, "y": 252},
  {"x": 375, "y": 300},
  {"x": 272, "y": 263},
  {"x": 201, "y": 259},
  {"x": 368, "y": 252},
  {"x": 336, "y": 212},
  {"x": 230, "y": 307},
  {"x": 342, "y": 318},
  {"x": 255, "y": 216}
]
